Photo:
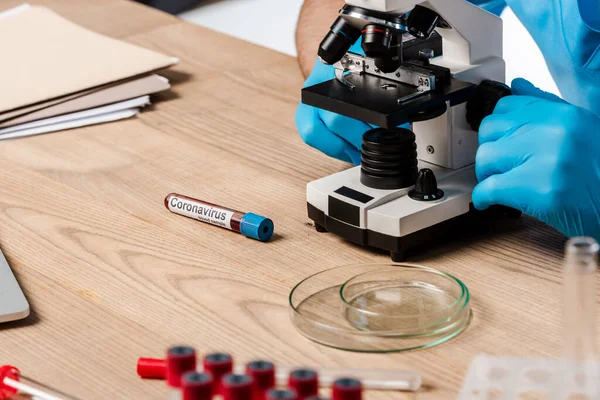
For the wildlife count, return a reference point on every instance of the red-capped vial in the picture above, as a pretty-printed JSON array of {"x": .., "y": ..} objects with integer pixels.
[
  {"x": 151, "y": 368},
  {"x": 316, "y": 398},
  {"x": 237, "y": 387},
  {"x": 197, "y": 386},
  {"x": 13, "y": 383},
  {"x": 218, "y": 365},
  {"x": 263, "y": 377},
  {"x": 281, "y": 394},
  {"x": 346, "y": 389},
  {"x": 11, "y": 374},
  {"x": 180, "y": 359},
  {"x": 305, "y": 382}
]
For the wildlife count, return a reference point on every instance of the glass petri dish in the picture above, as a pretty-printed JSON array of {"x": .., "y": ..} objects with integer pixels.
[{"x": 380, "y": 307}]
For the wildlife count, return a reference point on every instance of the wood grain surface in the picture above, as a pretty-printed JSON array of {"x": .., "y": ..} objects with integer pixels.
[{"x": 112, "y": 275}]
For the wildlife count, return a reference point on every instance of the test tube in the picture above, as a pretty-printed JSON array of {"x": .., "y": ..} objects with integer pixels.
[
  {"x": 180, "y": 359},
  {"x": 372, "y": 379},
  {"x": 281, "y": 394},
  {"x": 237, "y": 387},
  {"x": 305, "y": 382},
  {"x": 12, "y": 382},
  {"x": 580, "y": 299},
  {"x": 263, "y": 377},
  {"x": 346, "y": 389},
  {"x": 197, "y": 386},
  {"x": 218, "y": 365},
  {"x": 248, "y": 224}
]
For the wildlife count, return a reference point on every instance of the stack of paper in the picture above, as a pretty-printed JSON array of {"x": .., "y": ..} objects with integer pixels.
[{"x": 56, "y": 75}]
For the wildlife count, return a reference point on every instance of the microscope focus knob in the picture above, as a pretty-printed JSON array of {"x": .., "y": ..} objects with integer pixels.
[
  {"x": 483, "y": 102},
  {"x": 426, "y": 188}
]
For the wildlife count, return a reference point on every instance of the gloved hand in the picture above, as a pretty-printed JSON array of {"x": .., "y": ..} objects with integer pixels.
[
  {"x": 540, "y": 154},
  {"x": 568, "y": 34},
  {"x": 335, "y": 135}
]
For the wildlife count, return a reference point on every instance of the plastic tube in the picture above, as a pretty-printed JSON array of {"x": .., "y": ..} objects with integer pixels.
[
  {"x": 371, "y": 379},
  {"x": 12, "y": 383},
  {"x": 580, "y": 299}
]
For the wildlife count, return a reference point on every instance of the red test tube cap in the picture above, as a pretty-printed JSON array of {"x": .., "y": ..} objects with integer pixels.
[
  {"x": 305, "y": 382},
  {"x": 219, "y": 365},
  {"x": 237, "y": 387},
  {"x": 281, "y": 394},
  {"x": 263, "y": 377},
  {"x": 196, "y": 386},
  {"x": 346, "y": 389},
  {"x": 8, "y": 371},
  {"x": 151, "y": 368},
  {"x": 180, "y": 359}
]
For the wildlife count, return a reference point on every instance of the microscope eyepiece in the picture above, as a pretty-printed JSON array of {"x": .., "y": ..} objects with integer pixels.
[
  {"x": 338, "y": 41},
  {"x": 422, "y": 21}
]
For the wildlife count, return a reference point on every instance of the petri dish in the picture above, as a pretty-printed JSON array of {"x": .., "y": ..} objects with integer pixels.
[{"x": 380, "y": 308}]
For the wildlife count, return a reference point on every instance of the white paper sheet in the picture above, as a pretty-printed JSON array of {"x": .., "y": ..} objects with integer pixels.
[
  {"x": 137, "y": 102},
  {"x": 61, "y": 126}
]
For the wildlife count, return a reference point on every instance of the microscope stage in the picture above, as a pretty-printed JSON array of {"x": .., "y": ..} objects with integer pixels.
[{"x": 369, "y": 102}]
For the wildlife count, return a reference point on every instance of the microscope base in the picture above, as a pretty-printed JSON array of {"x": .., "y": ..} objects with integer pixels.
[{"x": 389, "y": 219}]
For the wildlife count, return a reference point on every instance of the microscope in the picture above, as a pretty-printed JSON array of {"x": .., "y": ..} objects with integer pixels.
[{"x": 435, "y": 65}]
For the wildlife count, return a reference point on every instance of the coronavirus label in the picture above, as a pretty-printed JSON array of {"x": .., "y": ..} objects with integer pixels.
[{"x": 205, "y": 213}]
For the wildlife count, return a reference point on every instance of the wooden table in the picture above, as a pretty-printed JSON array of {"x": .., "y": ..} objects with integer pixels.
[{"x": 112, "y": 275}]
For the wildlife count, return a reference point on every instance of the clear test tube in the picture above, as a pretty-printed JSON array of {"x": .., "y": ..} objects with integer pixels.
[
  {"x": 579, "y": 330},
  {"x": 371, "y": 379},
  {"x": 12, "y": 382},
  {"x": 580, "y": 299}
]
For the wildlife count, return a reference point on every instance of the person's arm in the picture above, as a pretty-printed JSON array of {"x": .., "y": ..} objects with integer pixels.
[{"x": 316, "y": 17}]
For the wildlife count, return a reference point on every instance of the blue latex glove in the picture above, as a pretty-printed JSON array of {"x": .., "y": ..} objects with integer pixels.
[
  {"x": 568, "y": 34},
  {"x": 540, "y": 154},
  {"x": 335, "y": 135}
]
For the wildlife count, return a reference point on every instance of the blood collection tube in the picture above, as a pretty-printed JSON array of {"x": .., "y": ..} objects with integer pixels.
[
  {"x": 281, "y": 394},
  {"x": 263, "y": 377},
  {"x": 180, "y": 359},
  {"x": 305, "y": 382},
  {"x": 197, "y": 386},
  {"x": 248, "y": 224},
  {"x": 346, "y": 389},
  {"x": 13, "y": 383},
  {"x": 237, "y": 387},
  {"x": 371, "y": 379},
  {"x": 218, "y": 365}
]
